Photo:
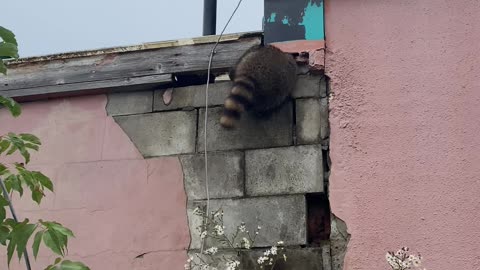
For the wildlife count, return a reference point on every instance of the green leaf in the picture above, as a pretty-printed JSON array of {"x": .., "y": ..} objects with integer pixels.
[
  {"x": 3, "y": 213},
  {"x": 69, "y": 265},
  {"x": 3, "y": 203},
  {"x": 7, "y": 35},
  {"x": 29, "y": 138},
  {"x": 13, "y": 182},
  {"x": 36, "y": 243},
  {"x": 8, "y": 49},
  {"x": 44, "y": 180},
  {"x": 3, "y": 68},
  {"x": 32, "y": 146},
  {"x": 25, "y": 154},
  {"x": 11, "y": 104},
  {"x": 22, "y": 233},
  {"x": 37, "y": 196},
  {"x": 4, "y": 233},
  {"x": 10, "y": 250},
  {"x": 19, "y": 144},
  {"x": 4, "y": 144},
  {"x": 60, "y": 228},
  {"x": 50, "y": 239},
  {"x": 10, "y": 222},
  {"x": 3, "y": 169}
]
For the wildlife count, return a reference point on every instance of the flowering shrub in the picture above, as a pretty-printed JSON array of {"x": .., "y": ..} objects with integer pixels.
[
  {"x": 213, "y": 230},
  {"x": 401, "y": 260}
]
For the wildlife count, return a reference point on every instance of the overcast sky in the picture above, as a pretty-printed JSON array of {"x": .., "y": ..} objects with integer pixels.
[{"x": 54, "y": 26}]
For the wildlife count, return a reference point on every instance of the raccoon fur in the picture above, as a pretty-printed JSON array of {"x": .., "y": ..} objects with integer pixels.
[{"x": 263, "y": 79}]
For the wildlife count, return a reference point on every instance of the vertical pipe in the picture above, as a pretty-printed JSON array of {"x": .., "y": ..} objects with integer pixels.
[{"x": 209, "y": 17}]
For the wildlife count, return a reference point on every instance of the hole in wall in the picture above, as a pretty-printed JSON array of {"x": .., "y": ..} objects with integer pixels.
[{"x": 318, "y": 218}]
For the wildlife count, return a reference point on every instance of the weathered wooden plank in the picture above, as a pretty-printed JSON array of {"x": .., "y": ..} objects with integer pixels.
[
  {"x": 94, "y": 87},
  {"x": 119, "y": 69}
]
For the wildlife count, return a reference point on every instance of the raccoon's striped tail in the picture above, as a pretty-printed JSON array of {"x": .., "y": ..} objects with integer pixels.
[{"x": 239, "y": 101}]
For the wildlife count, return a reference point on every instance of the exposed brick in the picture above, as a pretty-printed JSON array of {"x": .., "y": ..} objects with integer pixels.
[
  {"x": 129, "y": 103},
  {"x": 192, "y": 96},
  {"x": 251, "y": 132},
  {"x": 282, "y": 218},
  {"x": 312, "y": 120},
  {"x": 225, "y": 170},
  {"x": 288, "y": 170},
  {"x": 158, "y": 134}
]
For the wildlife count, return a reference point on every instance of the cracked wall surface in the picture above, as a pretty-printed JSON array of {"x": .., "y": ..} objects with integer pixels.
[
  {"x": 126, "y": 212},
  {"x": 404, "y": 125}
]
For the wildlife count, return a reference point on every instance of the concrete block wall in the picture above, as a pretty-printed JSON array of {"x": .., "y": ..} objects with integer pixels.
[{"x": 259, "y": 173}]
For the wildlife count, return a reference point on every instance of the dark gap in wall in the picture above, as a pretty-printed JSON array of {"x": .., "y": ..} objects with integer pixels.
[
  {"x": 326, "y": 167},
  {"x": 196, "y": 131},
  {"x": 318, "y": 219},
  {"x": 244, "y": 169},
  {"x": 197, "y": 78},
  {"x": 294, "y": 122}
]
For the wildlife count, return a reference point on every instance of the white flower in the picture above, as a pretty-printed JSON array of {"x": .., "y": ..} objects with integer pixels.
[
  {"x": 232, "y": 265},
  {"x": 242, "y": 228},
  {"x": 211, "y": 251},
  {"x": 246, "y": 243},
  {"x": 219, "y": 230},
  {"x": 203, "y": 234},
  {"x": 280, "y": 243},
  {"x": 262, "y": 259},
  {"x": 259, "y": 228},
  {"x": 267, "y": 252},
  {"x": 273, "y": 250}
]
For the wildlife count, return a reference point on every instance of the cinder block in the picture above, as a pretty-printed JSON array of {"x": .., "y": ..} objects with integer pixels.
[
  {"x": 225, "y": 170},
  {"x": 192, "y": 96},
  {"x": 288, "y": 170},
  {"x": 129, "y": 103},
  {"x": 158, "y": 134},
  {"x": 297, "y": 258},
  {"x": 312, "y": 120},
  {"x": 310, "y": 86},
  {"x": 251, "y": 132},
  {"x": 282, "y": 218}
]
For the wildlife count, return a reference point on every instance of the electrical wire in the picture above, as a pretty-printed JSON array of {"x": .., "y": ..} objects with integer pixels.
[{"x": 206, "y": 112}]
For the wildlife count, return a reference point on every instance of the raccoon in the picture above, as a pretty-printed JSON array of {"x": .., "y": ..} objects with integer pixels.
[{"x": 263, "y": 79}]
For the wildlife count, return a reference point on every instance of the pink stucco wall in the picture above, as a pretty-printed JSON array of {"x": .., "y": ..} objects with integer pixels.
[
  {"x": 405, "y": 128},
  {"x": 119, "y": 205}
]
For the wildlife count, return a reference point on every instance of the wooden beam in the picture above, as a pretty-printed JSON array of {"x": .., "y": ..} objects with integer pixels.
[
  {"x": 93, "y": 87},
  {"x": 117, "y": 69}
]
